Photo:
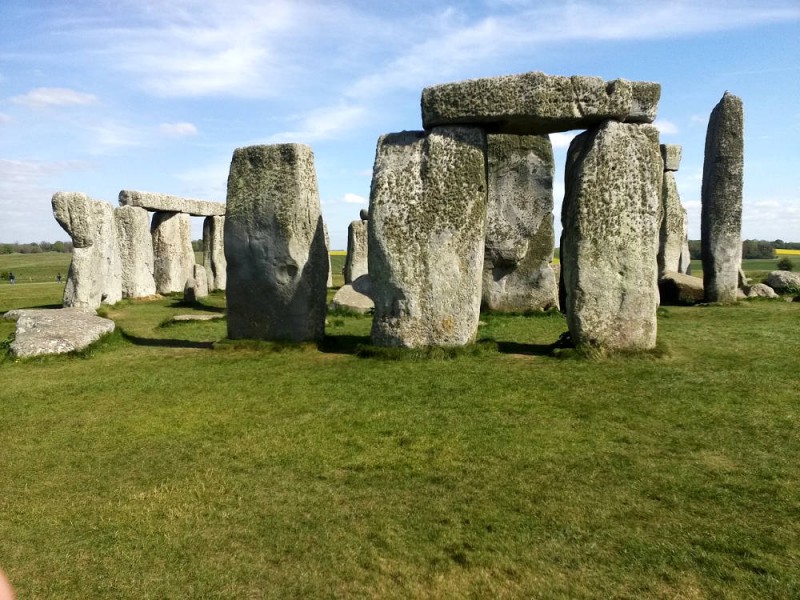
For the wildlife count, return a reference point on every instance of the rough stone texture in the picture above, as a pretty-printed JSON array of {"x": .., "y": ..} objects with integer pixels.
[
  {"x": 355, "y": 264},
  {"x": 214, "y": 253},
  {"x": 329, "y": 281},
  {"x": 609, "y": 242},
  {"x": 95, "y": 273},
  {"x": 676, "y": 289},
  {"x": 427, "y": 228},
  {"x": 58, "y": 331},
  {"x": 517, "y": 276},
  {"x": 721, "y": 222},
  {"x": 536, "y": 103},
  {"x": 671, "y": 239},
  {"x": 135, "y": 251},
  {"x": 671, "y": 155},
  {"x": 275, "y": 245},
  {"x": 173, "y": 256},
  {"x": 200, "y": 281},
  {"x": 197, "y": 317},
  {"x": 355, "y": 296},
  {"x": 167, "y": 203},
  {"x": 685, "y": 261},
  {"x": 760, "y": 290},
  {"x": 783, "y": 281}
]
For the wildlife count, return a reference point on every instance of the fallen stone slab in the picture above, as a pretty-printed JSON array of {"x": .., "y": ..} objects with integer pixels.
[
  {"x": 201, "y": 317},
  {"x": 166, "y": 203},
  {"x": 535, "y": 103},
  {"x": 355, "y": 296},
  {"x": 783, "y": 281},
  {"x": 55, "y": 331},
  {"x": 679, "y": 289},
  {"x": 760, "y": 290}
]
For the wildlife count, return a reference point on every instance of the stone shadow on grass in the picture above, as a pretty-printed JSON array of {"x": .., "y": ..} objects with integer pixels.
[
  {"x": 343, "y": 344},
  {"x": 166, "y": 343},
  {"x": 526, "y": 349}
]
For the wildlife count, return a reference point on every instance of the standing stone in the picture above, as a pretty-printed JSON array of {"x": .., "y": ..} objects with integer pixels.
[
  {"x": 172, "y": 251},
  {"x": 609, "y": 242},
  {"x": 355, "y": 264},
  {"x": 673, "y": 228},
  {"x": 329, "y": 282},
  {"x": 685, "y": 262},
  {"x": 95, "y": 273},
  {"x": 517, "y": 276},
  {"x": 136, "y": 251},
  {"x": 427, "y": 226},
  {"x": 200, "y": 281},
  {"x": 275, "y": 245},
  {"x": 721, "y": 221},
  {"x": 214, "y": 253}
]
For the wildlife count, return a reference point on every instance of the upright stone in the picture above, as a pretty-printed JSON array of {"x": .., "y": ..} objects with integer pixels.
[
  {"x": 172, "y": 251},
  {"x": 355, "y": 264},
  {"x": 721, "y": 219},
  {"x": 427, "y": 226},
  {"x": 329, "y": 282},
  {"x": 275, "y": 245},
  {"x": 214, "y": 253},
  {"x": 95, "y": 273},
  {"x": 685, "y": 263},
  {"x": 136, "y": 251},
  {"x": 609, "y": 242},
  {"x": 200, "y": 281},
  {"x": 671, "y": 240},
  {"x": 517, "y": 276}
]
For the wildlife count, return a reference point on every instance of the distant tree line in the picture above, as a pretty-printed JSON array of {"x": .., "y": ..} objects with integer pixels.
[
  {"x": 750, "y": 248},
  {"x": 35, "y": 248}
]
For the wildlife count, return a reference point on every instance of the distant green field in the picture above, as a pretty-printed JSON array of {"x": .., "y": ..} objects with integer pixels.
[{"x": 34, "y": 268}]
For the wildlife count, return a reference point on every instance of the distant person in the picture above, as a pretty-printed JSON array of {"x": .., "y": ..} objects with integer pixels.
[
  {"x": 11, "y": 278},
  {"x": 58, "y": 278}
]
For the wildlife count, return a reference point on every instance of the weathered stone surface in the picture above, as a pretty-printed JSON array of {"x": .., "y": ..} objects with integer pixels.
[
  {"x": 676, "y": 289},
  {"x": 166, "y": 203},
  {"x": 427, "y": 228},
  {"x": 783, "y": 281},
  {"x": 355, "y": 264},
  {"x": 363, "y": 214},
  {"x": 609, "y": 242},
  {"x": 275, "y": 245},
  {"x": 671, "y": 239},
  {"x": 200, "y": 281},
  {"x": 197, "y": 317},
  {"x": 173, "y": 256},
  {"x": 721, "y": 221},
  {"x": 517, "y": 276},
  {"x": 671, "y": 155},
  {"x": 760, "y": 290},
  {"x": 95, "y": 273},
  {"x": 329, "y": 282},
  {"x": 55, "y": 331},
  {"x": 355, "y": 296},
  {"x": 536, "y": 103},
  {"x": 685, "y": 261},
  {"x": 135, "y": 251},
  {"x": 214, "y": 253}
]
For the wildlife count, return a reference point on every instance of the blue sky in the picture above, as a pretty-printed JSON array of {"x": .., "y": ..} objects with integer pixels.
[{"x": 99, "y": 96}]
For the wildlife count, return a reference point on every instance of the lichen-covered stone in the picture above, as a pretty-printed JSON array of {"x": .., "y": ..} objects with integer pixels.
[
  {"x": 355, "y": 264},
  {"x": 275, "y": 245},
  {"x": 721, "y": 219},
  {"x": 135, "y": 251},
  {"x": 55, "y": 331},
  {"x": 760, "y": 290},
  {"x": 95, "y": 273},
  {"x": 671, "y": 239},
  {"x": 173, "y": 255},
  {"x": 517, "y": 276},
  {"x": 671, "y": 155},
  {"x": 166, "y": 203},
  {"x": 609, "y": 242},
  {"x": 427, "y": 225},
  {"x": 329, "y": 281},
  {"x": 536, "y": 103},
  {"x": 200, "y": 281},
  {"x": 214, "y": 253},
  {"x": 355, "y": 297},
  {"x": 784, "y": 281},
  {"x": 685, "y": 261},
  {"x": 678, "y": 289}
]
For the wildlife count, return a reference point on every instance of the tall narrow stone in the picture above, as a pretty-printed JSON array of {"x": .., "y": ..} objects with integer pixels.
[
  {"x": 355, "y": 264},
  {"x": 172, "y": 251},
  {"x": 329, "y": 282},
  {"x": 609, "y": 242},
  {"x": 427, "y": 226},
  {"x": 721, "y": 219},
  {"x": 685, "y": 262},
  {"x": 214, "y": 253},
  {"x": 136, "y": 251},
  {"x": 672, "y": 214},
  {"x": 517, "y": 276},
  {"x": 95, "y": 273},
  {"x": 275, "y": 245}
]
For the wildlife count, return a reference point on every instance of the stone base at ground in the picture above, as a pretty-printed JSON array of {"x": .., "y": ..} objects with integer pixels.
[
  {"x": 760, "y": 290},
  {"x": 677, "y": 289},
  {"x": 55, "y": 331}
]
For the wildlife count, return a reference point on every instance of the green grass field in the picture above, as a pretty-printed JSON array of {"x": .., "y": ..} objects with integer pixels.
[{"x": 167, "y": 462}]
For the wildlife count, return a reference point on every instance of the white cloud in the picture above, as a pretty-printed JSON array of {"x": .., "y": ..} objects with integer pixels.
[
  {"x": 350, "y": 198},
  {"x": 109, "y": 135},
  {"x": 323, "y": 123},
  {"x": 666, "y": 127},
  {"x": 562, "y": 140},
  {"x": 178, "y": 129},
  {"x": 46, "y": 96}
]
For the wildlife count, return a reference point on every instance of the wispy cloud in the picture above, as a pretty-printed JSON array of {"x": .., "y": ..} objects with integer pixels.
[
  {"x": 562, "y": 140},
  {"x": 5, "y": 118},
  {"x": 350, "y": 198},
  {"x": 178, "y": 129},
  {"x": 47, "y": 96},
  {"x": 323, "y": 123},
  {"x": 666, "y": 127}
]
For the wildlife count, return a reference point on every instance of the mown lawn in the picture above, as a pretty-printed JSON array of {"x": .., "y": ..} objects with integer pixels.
[{"x": 167, "y": 463}]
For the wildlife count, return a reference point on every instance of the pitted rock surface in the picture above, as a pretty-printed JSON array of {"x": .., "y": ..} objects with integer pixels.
[
  {"x": 214, "y": 253},
  {"x": 677, "y": 289},
  {"x": 356, "y": 264},
  {"x": 783, "y": 281},
  {"x": 55, "y": 331},
  {"x": 136, "y": 251},
  {"x": 355, "y": 296},
  {"x": 173, "y": 255},
  {"x": 166, "y": 203}
]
